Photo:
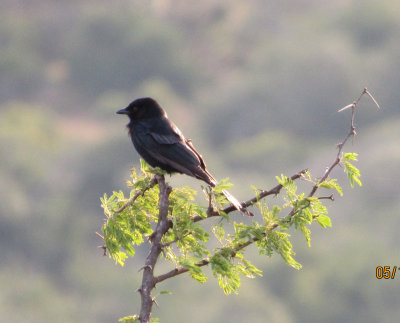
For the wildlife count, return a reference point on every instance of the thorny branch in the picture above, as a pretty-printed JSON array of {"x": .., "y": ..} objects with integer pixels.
[
  {"x": 263, "y": 193},
  {"x": 351, "y": 133},
  {"x": 149, "y": 281},
  {"x": 276, "y": 190},
  {"x": 210, "y": 213}
]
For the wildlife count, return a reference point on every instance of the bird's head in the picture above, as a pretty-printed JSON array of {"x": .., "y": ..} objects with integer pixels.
[{"x": 143, "y": 108}]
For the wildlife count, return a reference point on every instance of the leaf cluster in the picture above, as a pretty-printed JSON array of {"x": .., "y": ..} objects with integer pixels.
[
  {"x": 352, "y": 172},
  {"x": 135, "y": 319},
  {"x": 189, "y": 246}
]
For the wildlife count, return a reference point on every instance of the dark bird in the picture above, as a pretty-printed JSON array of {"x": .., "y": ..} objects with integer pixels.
[{"x": 162, "y": 144}]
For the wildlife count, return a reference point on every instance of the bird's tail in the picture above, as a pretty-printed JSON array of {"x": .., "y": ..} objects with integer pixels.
[
  {"x": 236, "y": 203},
  {"x": 210, "y": 180}
]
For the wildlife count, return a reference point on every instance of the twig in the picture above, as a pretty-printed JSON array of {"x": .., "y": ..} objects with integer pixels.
[
  {"x": 211, "y": 212},
  {"x": 178, "y": 271},
  {"x": 204, "y": 262},
  {"x": 163, "y": 245},
  {"x": 137, "y": 194},
  {"x": 103, "y": 246},
  {"x": 352, "y": 133},
  {"x": 330, "y": 197},
  {"x": 273, "y": 191}
]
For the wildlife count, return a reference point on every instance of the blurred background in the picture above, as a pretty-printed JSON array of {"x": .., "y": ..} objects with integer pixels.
[{"x": 256, "y": 85}]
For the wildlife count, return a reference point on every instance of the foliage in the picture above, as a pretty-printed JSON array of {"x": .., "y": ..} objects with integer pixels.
[
  {"x": 134, "y": 319},
  {"x": 129, "y": 319},
  {"x": 352, "y": 172},
  {"x": 130, "y": 220}
]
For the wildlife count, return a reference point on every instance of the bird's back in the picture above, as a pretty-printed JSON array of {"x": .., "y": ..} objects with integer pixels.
[{"x": 162, "y": 145}]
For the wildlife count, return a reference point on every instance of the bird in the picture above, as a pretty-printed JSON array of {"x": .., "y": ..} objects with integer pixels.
[{"x": 161, "y": 144}]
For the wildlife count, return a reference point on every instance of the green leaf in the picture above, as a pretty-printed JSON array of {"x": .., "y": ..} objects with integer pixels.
[
  {"x": 194, "y": 270},
  {"x": 281, "y": 180},
  {"x": 144, "y": 167},
  {"x": 248, "y": 269},
  {"x": 222, "y": 185},
  {"x": 129, "y": 319},
  {"x": 256, "y": 191},
  {"x": 276, "y": 241},
  {"x": 332, "y": 184},
  {"x": 350, "y": 156},
  {"x": 306, "y": 233},
  {"x": 219, "y": 232},
  {"x": 324, "y": 221},
  {"x": 275, "y": 211},
  {"x": 352, "y": 172}
]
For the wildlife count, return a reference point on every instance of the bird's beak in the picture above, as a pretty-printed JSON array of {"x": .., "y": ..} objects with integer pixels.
[{"x": 122, "y": 111}]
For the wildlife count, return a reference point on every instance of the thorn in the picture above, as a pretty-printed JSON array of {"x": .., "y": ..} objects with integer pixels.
[
  {"x": 330, "y": 197},
  {"x": 350, "y": 106},
  {"x": 371, "y": 97}
]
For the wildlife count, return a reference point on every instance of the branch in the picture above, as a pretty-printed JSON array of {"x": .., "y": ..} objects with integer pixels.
[
  {"x": 177, "y": 271},
  {"x": 275, "y": 190},
  {"x": 148, "y": 281},
  {"x": 204, "y": 262},
  {"x": 211, "y": 212},
  {"x": 263, "y": 193},
  {"x": 351, "y": 133},
  {"x": 137, "y": 194}
]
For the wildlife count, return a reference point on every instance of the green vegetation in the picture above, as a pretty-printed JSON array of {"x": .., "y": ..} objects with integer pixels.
[
  {"x": 256, "y": 85},
  {"x": 186, "y": 244}
]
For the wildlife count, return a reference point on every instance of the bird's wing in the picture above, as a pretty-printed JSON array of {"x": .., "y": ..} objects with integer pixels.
[
  {"x": 166, "y": 145},
  {"x": 212, "y": 181},
  {"x": 164, "y": 142},
  {"x": 163, "y": 131}
]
